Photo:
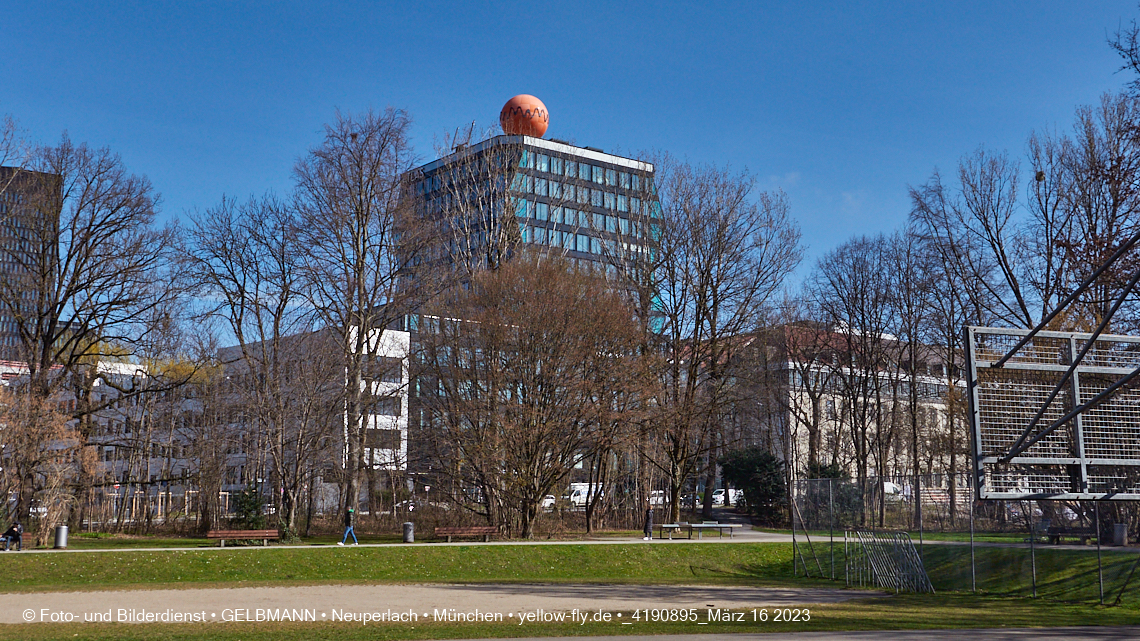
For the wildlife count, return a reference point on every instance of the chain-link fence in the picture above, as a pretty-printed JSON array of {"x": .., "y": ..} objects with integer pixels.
[
  {"x": 1068, "y": 550},
  {"x": 937, "y": 502}
]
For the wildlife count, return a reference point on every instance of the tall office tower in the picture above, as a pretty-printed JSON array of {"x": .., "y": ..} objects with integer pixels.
[
  {"x": 21, "y": 222},
  {"x": 520, "y": 191}
]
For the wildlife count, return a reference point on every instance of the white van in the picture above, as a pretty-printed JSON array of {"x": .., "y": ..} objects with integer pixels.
[
  {"x": 718, "y": 496},
  {"x": 580, "y": 491}
]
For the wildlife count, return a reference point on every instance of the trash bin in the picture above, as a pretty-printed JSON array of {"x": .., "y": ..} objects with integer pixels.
[
  {"x": 60, "y": 537},
  {"x": 1120, "y": 534},
  {"x": 409, "y": 533}
]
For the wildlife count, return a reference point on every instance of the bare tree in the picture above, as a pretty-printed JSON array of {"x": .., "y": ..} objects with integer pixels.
[
  {"x": 799, "y": 377},
  {"x": 37, "y": 450},
  {"x": 850, "y": 284},
  {"x": 13, "y": 152},
  {"x": 720, "y": 257},
  {"x": 910, "y": 292},
  {"x": 1103, "y": 199},
  {"x": 1050, "y": 218},
  {"x": 246, "y": 260},
  {"x": 86, "y": 273},
  {"x": 92, "y": 264},
  {"x": 361, "y": 239},
  {"x": 531, "y": 378}
]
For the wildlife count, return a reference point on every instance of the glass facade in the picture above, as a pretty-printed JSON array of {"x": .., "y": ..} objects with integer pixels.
[
  {"x": 584, "y": 203},
  {"x": 21, "y": 226},
  {"x": 584, "y": 207}
]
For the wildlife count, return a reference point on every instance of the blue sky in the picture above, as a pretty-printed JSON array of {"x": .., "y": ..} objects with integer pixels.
[{"x": 841, "y": 104}]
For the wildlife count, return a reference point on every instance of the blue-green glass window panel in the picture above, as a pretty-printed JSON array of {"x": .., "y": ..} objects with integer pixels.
[
  {"x": 635, "y": 205},
  {"x": 598, "y": 175},
  {"x": 583, "y": 196},
  {"x": 623, "y": 179},
  {"x": 571, "y": 168},
  {"x": 530, "y": 184},
  {"x": 556, "y": 165},
  {"x": 583, "y": 243},
  {"x": 540, "y": 235},
  {"x": 556, "y": 214},
  {"x": 595, "y": 197},
  {"x": 622, "y": 203},
  {"x": 599, "y": 222},
  {"x": 584, "y": 171},
  {"x": 520, "y": 207},
  {"x": 611, "y": 177},
  {"x": 540, "y": 186},
  {"x": 555, "y": 189},
  {"x": 569, "y": 216},
  {"x": 543, "y": 162},
  {"x": 541, "y": 211},
  {"x": 583, "y": 219},
  {"x": 611, "y": 224},
  {"x": 609, "y": 201},
  {"x": 529, "y": 157},
  {"x": 595, "y": 246},
  {"x": 519, "y": 183},
  {"x": 623, "y": 224},
  {"x": 568, "y": 192}
]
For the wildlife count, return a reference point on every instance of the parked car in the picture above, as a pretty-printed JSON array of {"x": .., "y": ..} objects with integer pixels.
[
  {"x": 719, "y": 495},
  {"x": 414, "y": 505},
  {"x": 409, "y": 506},
  {"x": 547, "y": 502}
]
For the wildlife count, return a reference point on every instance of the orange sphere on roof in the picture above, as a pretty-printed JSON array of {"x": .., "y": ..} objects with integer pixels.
[{"x": 524, "y": 115}]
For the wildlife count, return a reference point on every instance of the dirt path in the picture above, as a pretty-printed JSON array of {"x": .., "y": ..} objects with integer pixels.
[{"x": 325, "y": 602}]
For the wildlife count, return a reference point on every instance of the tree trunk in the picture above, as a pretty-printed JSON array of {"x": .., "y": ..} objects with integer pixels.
[{"x": 710, "y": 480}]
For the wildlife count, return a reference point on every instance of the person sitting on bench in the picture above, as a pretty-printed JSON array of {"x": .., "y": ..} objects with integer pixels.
[{"x": 14, "y": 534}]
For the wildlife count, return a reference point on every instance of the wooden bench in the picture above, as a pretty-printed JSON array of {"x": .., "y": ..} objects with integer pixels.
[
  {"x": 1056, "y": 532},
  {"x": 240, "y": 535},
  {"x": 484, "y": 531}
]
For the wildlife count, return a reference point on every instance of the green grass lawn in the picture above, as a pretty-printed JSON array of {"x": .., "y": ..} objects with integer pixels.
[
  {"x": 711, "y": 562},
  {"x": 904, "y": 612},
  {"x": 963, "y": 537},
  {"x": 1065, "y": 573},
  {"x": 1066, "y": 584},
  {"x": 101, "y": 541}
]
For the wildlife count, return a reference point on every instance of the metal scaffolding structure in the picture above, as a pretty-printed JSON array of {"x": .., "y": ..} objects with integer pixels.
[{"x": 1055, "y": 416}]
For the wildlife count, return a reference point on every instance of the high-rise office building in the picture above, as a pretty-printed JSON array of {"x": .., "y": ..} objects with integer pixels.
[
  {"x": 21, "y": 223},
  {"x": 515, "y": 190}
]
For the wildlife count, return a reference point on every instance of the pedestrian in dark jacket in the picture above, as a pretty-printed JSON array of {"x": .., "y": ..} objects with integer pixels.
[
  {"x": 648, "y": 524},
  {"x": 14, "y": 534},
  {"x": 349, "y": 520}
]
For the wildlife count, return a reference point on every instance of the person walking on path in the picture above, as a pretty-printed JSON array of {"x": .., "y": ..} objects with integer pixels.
[
  {"x": 349, "y": 518},
  {"x": 14, "y": 534}
]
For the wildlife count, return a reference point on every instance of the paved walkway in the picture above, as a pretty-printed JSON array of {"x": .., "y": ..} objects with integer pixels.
[
  {"x": 751, "y": 537},
  {"x": 1122, "y": 633},
  {"x": 224, "y": 604}
]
